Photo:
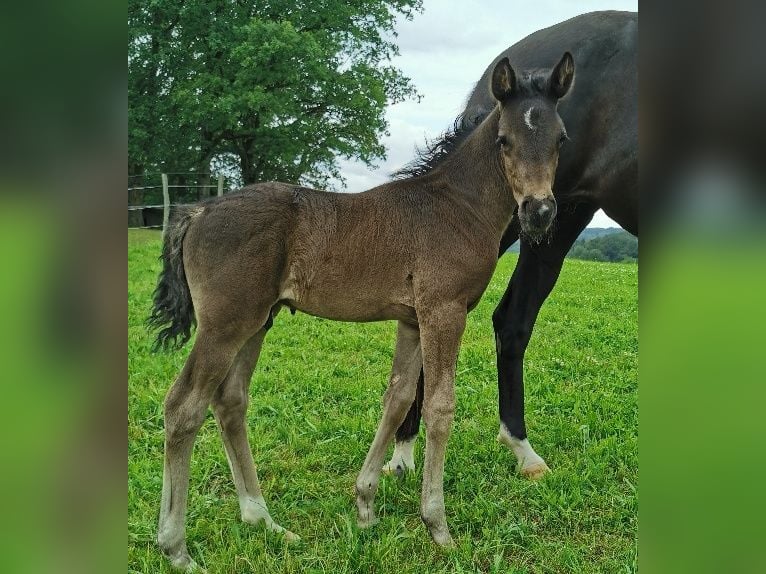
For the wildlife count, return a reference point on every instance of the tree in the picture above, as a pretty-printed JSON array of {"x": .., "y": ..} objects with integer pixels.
[
  {"x": 283, "y": 89},
  {"x": 617, "y": 246}
]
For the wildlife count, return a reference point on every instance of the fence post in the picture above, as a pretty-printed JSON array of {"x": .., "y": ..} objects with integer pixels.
[
  {"x": 220, "y": 184},
  {"x": 166, "y": 202}
]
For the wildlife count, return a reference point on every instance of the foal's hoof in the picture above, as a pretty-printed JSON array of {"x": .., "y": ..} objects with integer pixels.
[
  {"x": 286, "y": 534},
  {"x": 290, "y": 536},
  {"x": 270, "y": 525},
  {"x": 535, "y": 471},
  {"x": 177, "y": 554},
  {"x": 441, "y": 537},
  {"x": 367, "y": 522},
  {"x": 366, "y": 518},
  {"x": 184, "y": 563},
  {"x": 438, "y": 529}
]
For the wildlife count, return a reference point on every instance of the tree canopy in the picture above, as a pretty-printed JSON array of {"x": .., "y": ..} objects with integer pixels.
[{"x": 276, "y": 90}]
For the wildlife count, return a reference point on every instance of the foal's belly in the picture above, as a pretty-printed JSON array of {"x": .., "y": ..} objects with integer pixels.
[
  {"x": 357, "y": 299},
  {"x": 390, "y": 312}
]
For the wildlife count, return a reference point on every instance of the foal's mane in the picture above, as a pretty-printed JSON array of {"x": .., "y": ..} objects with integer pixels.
[{"x": 435, "y": 151}]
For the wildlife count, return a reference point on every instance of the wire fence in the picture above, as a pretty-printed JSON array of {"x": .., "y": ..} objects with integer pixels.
[{"x": 143, "y": 214}]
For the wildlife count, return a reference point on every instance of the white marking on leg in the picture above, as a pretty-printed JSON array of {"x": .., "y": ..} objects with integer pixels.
[
  {"x": 530, "y": 463},
  {"x": 528, "y": 119},
  {"x": 403, "y": 459}
]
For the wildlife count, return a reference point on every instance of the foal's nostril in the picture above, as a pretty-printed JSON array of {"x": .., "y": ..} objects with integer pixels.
[{"x": 537, "y": 214}]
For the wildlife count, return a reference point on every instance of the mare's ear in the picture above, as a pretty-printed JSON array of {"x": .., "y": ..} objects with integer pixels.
[
  {"x": 562, "y": 76},
  {"x": 503, "y": 82}
]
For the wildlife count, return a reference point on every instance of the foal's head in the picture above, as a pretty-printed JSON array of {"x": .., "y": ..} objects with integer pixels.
[{"x": 530, "y": 133}]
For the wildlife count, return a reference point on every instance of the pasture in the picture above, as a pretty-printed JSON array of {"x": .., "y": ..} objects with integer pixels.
[{"x": 315, "y": 405}]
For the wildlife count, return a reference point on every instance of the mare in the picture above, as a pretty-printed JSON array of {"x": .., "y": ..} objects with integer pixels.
[{"x": 598, "y": 170}]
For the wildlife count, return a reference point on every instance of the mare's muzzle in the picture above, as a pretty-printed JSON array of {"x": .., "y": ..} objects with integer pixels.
[{"x": 536, "y": 215}]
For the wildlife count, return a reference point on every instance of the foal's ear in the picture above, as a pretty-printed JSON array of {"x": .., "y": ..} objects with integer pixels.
[
  {"x": 562, "y": 76},
  {"x": 503, "y": 81}
]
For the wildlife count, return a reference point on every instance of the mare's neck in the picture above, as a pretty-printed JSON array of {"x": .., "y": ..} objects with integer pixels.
[{"x": 476, "y": 172}]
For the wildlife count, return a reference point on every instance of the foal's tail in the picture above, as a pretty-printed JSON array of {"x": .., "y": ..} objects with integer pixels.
[{"x": 173, "y": 311}]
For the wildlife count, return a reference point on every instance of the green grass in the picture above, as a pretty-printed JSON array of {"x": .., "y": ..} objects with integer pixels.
[{"x": 315, "y": 403}]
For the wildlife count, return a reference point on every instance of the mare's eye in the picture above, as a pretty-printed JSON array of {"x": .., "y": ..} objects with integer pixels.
[
  {"x": 564, "y": 137},
  {"x": 501, "y": 141}
]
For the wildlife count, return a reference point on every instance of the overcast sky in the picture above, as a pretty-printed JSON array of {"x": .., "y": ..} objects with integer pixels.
[{"x": 445, "y": 50}]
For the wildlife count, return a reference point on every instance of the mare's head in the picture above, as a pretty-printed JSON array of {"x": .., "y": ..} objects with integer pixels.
[{"x": 530, "y": 133}]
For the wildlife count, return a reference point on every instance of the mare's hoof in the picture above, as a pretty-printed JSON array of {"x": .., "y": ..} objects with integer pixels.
[
  {"x": 398, "y": 469},
  {"x": 535, "y": 471}
]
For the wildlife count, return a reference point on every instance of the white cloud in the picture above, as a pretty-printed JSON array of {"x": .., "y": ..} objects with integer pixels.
[
  {"x": 601, "y": 219},
  {"x": 445, "y": 50}
]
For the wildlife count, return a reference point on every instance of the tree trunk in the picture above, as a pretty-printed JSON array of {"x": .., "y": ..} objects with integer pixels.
[{"x": 246, "y": 164}]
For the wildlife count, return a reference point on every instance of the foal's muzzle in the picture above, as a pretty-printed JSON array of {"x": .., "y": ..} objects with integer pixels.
[{"x": 536, "y": 215}]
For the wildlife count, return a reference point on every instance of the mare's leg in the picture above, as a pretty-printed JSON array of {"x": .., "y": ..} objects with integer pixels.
[
  {"x": 185, "y": 407},
  {"x": 403, "y": 459},
  {"x": 399, "y": 395},
  {"x": 440, "y": 331},
  {"x": 533, "y": 279},
  {"x": 230, "y": 408}
]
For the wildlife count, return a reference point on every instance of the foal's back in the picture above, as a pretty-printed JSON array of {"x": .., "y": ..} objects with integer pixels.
[{"x": 351, "y": 257}]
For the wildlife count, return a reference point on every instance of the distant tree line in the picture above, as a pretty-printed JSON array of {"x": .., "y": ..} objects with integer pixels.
[
  {"x": 601, "y": 244},
  {"x": 619, "y": 246}
]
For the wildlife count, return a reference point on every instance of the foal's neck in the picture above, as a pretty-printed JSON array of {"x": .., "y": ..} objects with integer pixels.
[{"x": 476, "y": 171}]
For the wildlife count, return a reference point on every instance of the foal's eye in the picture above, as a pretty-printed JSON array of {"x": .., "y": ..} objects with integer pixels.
[
  {"x": 501, "y": 141},
  {"x": 564, "y": 137}
]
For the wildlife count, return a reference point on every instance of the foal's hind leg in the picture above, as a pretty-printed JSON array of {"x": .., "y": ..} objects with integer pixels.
[
  {"x": 185, "y": 407},
  {"x": 396, "y": 401},
  {"x": 230, "y": 407}
]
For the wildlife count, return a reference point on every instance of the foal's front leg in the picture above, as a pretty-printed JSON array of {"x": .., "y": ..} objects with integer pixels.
[
  {"x": 440, "y": 332},
  {"x": 398, "y": 398}
]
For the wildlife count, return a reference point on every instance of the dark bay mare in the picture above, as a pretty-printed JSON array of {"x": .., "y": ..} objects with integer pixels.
[
  {"x": 597, "y": 169},
  {"x": 419, "y": 251}
]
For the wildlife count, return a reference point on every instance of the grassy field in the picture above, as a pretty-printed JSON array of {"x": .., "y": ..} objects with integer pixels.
[{"x": 315, "y": 403}]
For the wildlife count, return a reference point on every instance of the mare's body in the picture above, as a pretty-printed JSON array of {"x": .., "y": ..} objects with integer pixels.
[{"x": 597, "y": 169}]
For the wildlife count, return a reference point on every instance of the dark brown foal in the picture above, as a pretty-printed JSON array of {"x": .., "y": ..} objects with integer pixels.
[{"x": 417, "y": 251}]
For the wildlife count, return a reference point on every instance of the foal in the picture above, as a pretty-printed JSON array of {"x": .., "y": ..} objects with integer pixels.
[{"x": 418, "y": 251}]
